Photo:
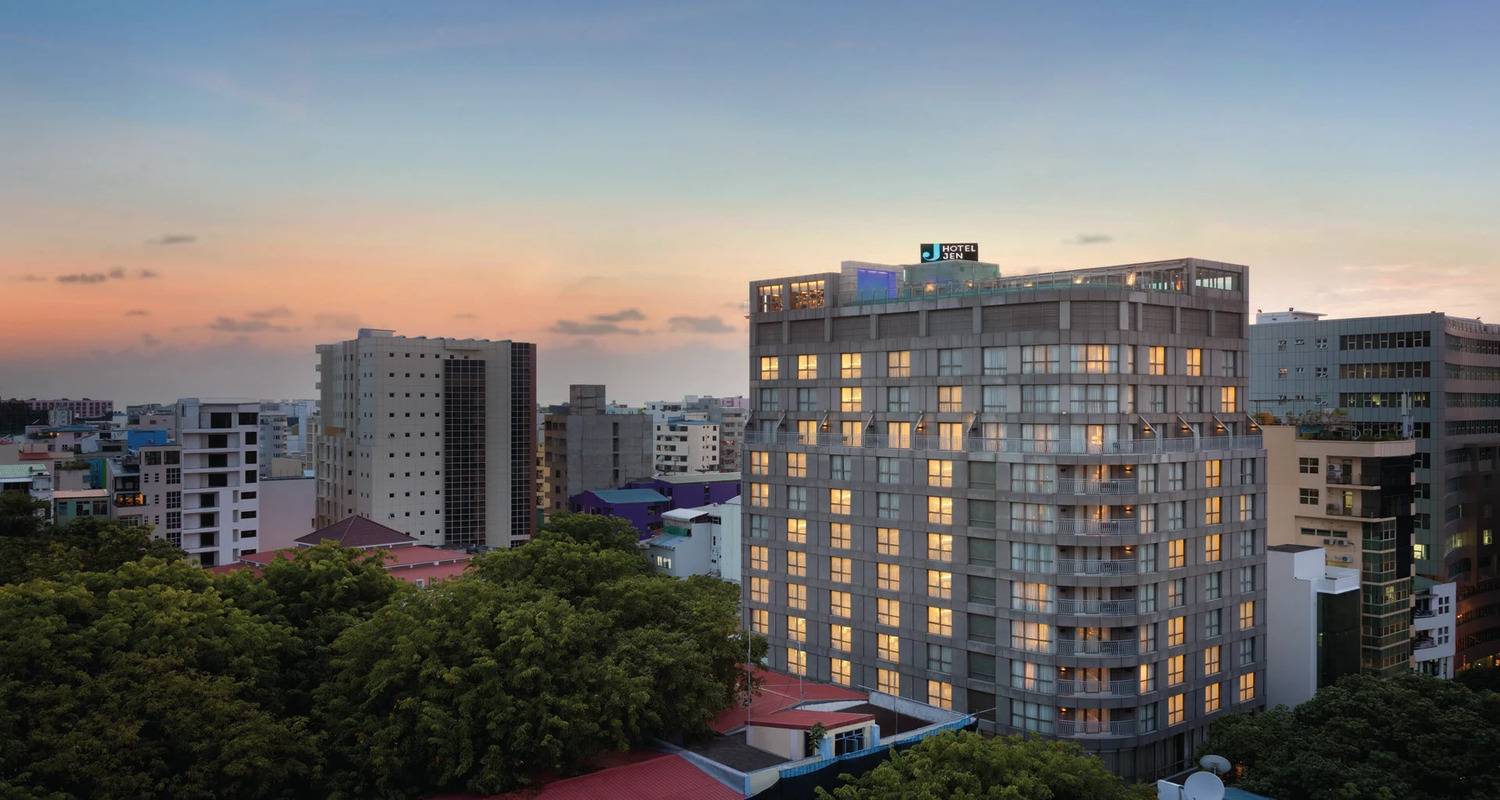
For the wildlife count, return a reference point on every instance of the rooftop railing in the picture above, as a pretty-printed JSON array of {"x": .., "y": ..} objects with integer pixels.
[{"x": 957, "y": 444}]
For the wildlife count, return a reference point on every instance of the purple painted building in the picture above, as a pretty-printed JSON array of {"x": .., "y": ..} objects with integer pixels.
[{"x": 641, "y": 503}]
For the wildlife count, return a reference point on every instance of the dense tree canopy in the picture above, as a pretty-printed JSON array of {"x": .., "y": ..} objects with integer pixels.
[
  {"x": 970, "y": 766},
  {"x": 127, "y": 675},
  {"x": 1405, "y": 737}
]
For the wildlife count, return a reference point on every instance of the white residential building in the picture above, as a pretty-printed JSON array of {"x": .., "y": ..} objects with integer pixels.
[
  {"x": 1434, "y": 620},
  {"x": 220, "y": 478},
  {"x": 686, "y": 445},
  {"x": 1312, "y": 623}
]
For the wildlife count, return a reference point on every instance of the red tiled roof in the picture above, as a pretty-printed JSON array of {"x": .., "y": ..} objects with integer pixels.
[
  {"x": 804, "y": 720},
  {"x": 358, "y": 532},
  {"x": 778, "y": 692},
  {"x": 662, "y": 777},
  {"x": 407, "y": 563},
  {"x": 430, "y": 572}
]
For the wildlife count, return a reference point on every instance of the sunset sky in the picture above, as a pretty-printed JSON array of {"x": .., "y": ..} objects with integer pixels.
[{"x": 192, "y": 195}]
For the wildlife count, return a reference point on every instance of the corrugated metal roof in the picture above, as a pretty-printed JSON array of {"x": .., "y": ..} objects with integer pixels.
[
  {"x": 625, "y": 496},
  {"x": 670, "y": 777},
  {"x": 17, "y": 471}
]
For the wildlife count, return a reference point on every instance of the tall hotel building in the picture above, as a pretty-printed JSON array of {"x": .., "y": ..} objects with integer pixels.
[
  {"x": 1435, "y": 378},
  {"x": 433, "y": 437},
  {"x": 1034, "y": 498}
]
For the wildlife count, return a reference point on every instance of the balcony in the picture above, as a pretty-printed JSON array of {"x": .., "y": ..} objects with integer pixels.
[
  {"x": 1090, "y": 648},
  {"x": 1096, "y": 608},
  {"x": 1087, "y": 486},
  {"x": 924, "y": 442},
  {"x": 1069, "y": 688},
  {"x": 1069, "y": 566},
  {"x": 1079, "y": 729},
  {"x": 1334, "y": 510},
  {"x": 1367, "y": 479},
  {"x": 1097, "y": 527}
]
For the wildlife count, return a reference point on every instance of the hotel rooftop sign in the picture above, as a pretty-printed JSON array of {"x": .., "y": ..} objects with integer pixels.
[{"x": 950, "y": 252}]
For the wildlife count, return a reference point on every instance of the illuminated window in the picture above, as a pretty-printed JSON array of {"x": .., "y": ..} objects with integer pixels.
[
  {"x": 1247, "y": 687},
  {"x": 939, "y": 473},
  {"x": 1247, "y": 507},
  {"x": 1176, "y": 670},
  {"x": 760, "y": 495},
  {"x": 839, "y": 500},
  {"x": 940, "y": 694},
  {"x": 950, "y": 436},
  {"x": 807, "y": 431},
  {"x": 898, "y": 364},
  {"x": 760, "y": 558},
  {"x": 1176, "y": 554},
  {"x": 940, "y": 510},
  {"x": 807, "y": 367},
  {"x": 1032, "y": 677},
  {"x": 1174, "y": 709},
  {"x": 770, "y": 368},
  {"x": 796, "y": 531},
  {"x": 1176, "y": 593},
  {"x": 1039, "y": 359},
  {"x": 1211, "y": 660},
  {"x": 888, "y": 681},
  {"x": 1033, "y": 637},
  {"x": 796, "y": 629},
  {"x": 770, "y": 298},
  {"x": 1247, "y": 614},
  {"x": 796, "y": 596},
  {"x": 939, "y": 547},
  {"x": 1194, "y": 361},
  {"x": 796, "y": 564},
  {"x": 1229, "y": 399},
  {"x": 950, "y": 399},
  {"x": 807, "y": 294},
  {"x": 939, "y": 584},
  {"x": 1096, "y": 359},
  {"x": 851, "y": 398},
  {"x": 888, "y": 647},
  {"x": 840, "y": 570},
  {"x": 939, "y": 621},
  {"x": 898, "y": 434},
  {"x": 1211, "y": 473},
  {"x": 850, "y": 365},
  {"x": 839, "y": 668},
  {"x": 838, "y": 535},
  {"x": 840, "y": 604},
  {"x": 1147, "y": 678},
  {"x": 796, "y": 465},
  {"x": 1176, "y": 631},
  {"x": 1213, "y": 510},
  {"x": 1037, "y": 597},
  {"x": 852, "y": 433},
  {"x": 796, "y": 661},
  {"x": 1156, "y": 360},
  {"x": 760, "y": 621},
  {"x": 888, "y": 541},
  {"x": 1213, "y": 547},
  {"x": 888, "y": 612},
  {"x": 841, "y": 637},
  {"x": 760, "y": 590},
  {"x": 760, "y": 462},
  {"x": 1211, "y": 698},
  {"x": 888, "y": 577}
]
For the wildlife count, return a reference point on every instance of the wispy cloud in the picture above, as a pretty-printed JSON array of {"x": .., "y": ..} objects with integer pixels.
[
  {"x": 137, "y": 312},
  {"x": 341, "y": 321},
  {"x": 29, "y": 278},
  {"x": 272, "y": 313},
  {"x": 147, "y": 274},
  {"x": 624, "y": 315},
  {"x": 1092, "y": 238},
  {"x": 570, "y": 328},
  {"x": 230, "y": 325},
  {"x": 83, "y": 277},
  {"x": 168, "y": 239},
  {"x": 688, "y": 324},
  {"x": 148, "y": 340}
]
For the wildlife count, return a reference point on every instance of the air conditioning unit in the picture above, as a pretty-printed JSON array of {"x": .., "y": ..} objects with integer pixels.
[
  {"x": 1346, "y": 559},
  {"x": 1330, "y": 541}
]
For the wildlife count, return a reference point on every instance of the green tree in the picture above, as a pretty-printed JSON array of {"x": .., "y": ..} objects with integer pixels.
[
  {"x": 31, "y": 547},
  {"x": 1482, "y": 678},
  {"x": 971, "y": 766},
  {"x": 1399, "y": 737},
  {"x": 141, "y": 682},
  {"x": 610, "y": 533}
]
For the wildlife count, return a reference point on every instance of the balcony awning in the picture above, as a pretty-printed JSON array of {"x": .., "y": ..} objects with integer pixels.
[
  {"x": 1148, "y": 425},
  {"x": 1184, "y": 422},
  {"x": 781, "y": 420},
  {"x": 869, "y": 420},
  {"x": 823, "y": 421},
  {"x": 1221, "y": 422},
  {"x": 921, "y": 419},
  {"x": 972, "y": 423},
  {"x": 1255, "y": 426}
]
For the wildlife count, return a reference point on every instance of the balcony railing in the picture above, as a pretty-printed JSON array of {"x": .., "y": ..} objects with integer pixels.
[
  {"x": 1423, "y": 644},
  {"x": 1088, "y": 486},
  {"x": 1096, "y": 527},
  {"x": 926, "y": 442},
  {"x": 1332, "y": 510},
  {"x": 1069, "y": 566},
  {"x": 1082, "y": 728},
  {"x": 1354, "y": 479},
  {"x": 1096, "y": 608},
  {"x": 1093, "y": 688},
  {"x": 1073, "y": 647}
]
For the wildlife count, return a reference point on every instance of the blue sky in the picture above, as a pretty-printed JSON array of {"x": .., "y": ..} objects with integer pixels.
[{"x": 491, "y": 168}]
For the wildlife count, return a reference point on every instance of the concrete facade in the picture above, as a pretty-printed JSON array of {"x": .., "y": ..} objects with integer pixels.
[
  {"x": 220, "y": 478},
  {"x": 684, "y": 445},
  {"x": 589, "y": 448},
  {"x": 433, "y": 437},
  {"x": 1036, "y": 498},
  {"x": 288, "y": 510},
  {"x": 1445, "y": 369},
  {"x": 1312, "y": 623}
]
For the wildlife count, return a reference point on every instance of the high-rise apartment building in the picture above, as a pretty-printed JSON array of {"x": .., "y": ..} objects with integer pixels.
[
  {"x": 589, "y": 448},
  {"x": 220, "y": 477},
  {"x": 1036, "y": 498},
  {"x": 433, "y": 437},
  {"x": 1430, "y": 376}
]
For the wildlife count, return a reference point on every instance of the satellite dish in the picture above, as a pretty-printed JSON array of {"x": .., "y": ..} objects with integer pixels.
[
  {"x": 1203, "y": 786},
  {"x": 1218, "y": 765}
]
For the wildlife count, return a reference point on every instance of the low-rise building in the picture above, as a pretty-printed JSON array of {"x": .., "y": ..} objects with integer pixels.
[
  {"x": 1433, "y": 623},
  {"x": 1312, "y": 623},
  {"x": 687, "y": 444},
  {"x": 642, "y": 503},
  {"x": 35, "y": 479}
]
